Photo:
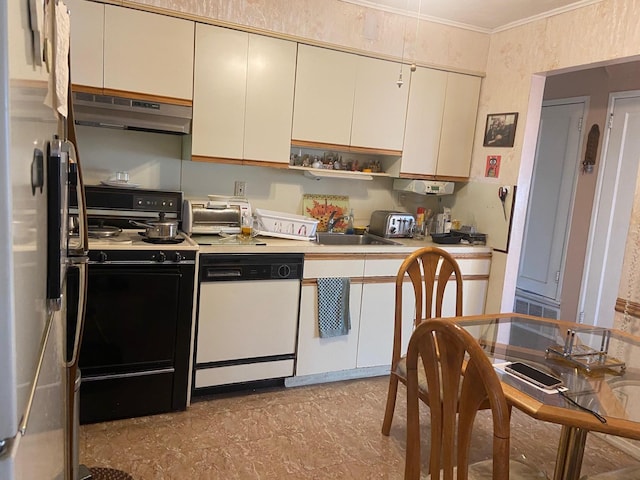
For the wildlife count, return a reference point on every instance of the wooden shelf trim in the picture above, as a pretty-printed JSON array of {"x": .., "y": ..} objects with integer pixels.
[
  {"x": 401, "y": 256},
  {"x": 338, "y": 172},
  {"x": 314, "y": 281},
  {"x": 205, "y": 159},
  {"x": 237, "y": 161},
  {"x": 344, "y": 148},
  {"x": 392, "y": 279},
  {"x": 334, "y": 256},
  {"x": 442, "y": 178},
  {"x": 135, "y": 95}
]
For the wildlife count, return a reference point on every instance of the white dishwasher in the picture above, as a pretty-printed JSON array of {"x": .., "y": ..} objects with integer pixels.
[{"x": 247, "y": 321}]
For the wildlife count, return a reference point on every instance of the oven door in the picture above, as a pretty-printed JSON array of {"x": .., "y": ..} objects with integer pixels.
[{"x": 135, "y": 348}]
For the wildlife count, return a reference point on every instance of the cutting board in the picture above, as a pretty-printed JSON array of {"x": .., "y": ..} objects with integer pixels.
[{"x": 320, "y": 207}]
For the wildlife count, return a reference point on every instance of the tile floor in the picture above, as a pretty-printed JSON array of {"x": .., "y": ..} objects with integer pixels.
[{"x": 329, "y": 431}]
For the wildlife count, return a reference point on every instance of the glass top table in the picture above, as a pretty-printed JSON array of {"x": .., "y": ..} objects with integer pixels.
[{"x": 607, "y": 384}]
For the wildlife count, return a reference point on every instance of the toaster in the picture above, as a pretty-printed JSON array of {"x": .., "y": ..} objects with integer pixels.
[{"x": 390, "y": 223}]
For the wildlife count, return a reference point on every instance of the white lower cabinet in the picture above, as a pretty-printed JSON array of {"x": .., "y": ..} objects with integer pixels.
[
  {"x": 368, "y": 345},
  {"x": 375, "y": 341},
  {"x": 319, "y": 355}
]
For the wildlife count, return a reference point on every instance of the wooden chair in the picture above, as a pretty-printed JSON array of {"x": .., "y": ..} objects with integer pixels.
[
  {"x": 447, "y": 352},
  {"x": 422, "y": 268}
]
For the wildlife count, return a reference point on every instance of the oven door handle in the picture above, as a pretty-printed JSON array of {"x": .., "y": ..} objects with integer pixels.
[{"x": 81, "y": 264}]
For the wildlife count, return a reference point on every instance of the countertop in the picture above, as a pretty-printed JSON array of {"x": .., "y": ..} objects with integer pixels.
[{"x": 277, "y": 245}]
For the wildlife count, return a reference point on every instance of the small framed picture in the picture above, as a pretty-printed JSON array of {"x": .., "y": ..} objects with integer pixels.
[{"x": 500, "y": 130}]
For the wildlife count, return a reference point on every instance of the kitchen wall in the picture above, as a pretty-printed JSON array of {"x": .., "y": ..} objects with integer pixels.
[
  {"x": 597, "y": 84},
  {"x": 516, "y": 62},
  {"x": 346, "y": 25},
  {"x": 282, "y": 190},
  {"x": 154, "y": 161},
  {"x": 519, "y": 59}
]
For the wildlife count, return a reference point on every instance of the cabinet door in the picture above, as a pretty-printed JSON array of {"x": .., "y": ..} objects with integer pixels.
[
  {"x": 375, "y": 343},
  {"x": 269, "y": 99},
  {"x": 321, "y": 355},
  {"x": 424, "y": 121},
  {"x": 148, "y": 53},
  {"x": 87, "y": 40},
  {"x": 219, "y": 92},
  {"x": 380, "y": 107},
  {"x": 458, "y": 125},
  {"x": 323, "y": 105}
]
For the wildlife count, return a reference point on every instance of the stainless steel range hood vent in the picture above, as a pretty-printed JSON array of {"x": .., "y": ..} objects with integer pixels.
[
  {"x": 424, "y": 187},
  {"x": 131, "y": 114}
]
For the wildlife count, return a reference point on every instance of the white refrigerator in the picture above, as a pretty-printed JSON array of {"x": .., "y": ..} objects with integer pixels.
[{"x": 38, "y": 343}]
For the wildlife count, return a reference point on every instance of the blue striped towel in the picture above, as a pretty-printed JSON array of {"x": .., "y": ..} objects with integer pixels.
[{"x": 333, "y": 307}]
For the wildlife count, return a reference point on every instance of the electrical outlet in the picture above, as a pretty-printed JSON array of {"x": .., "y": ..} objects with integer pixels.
[{"x": 240, "y": 189}]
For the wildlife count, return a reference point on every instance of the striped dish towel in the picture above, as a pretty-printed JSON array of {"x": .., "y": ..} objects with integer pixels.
[{"x": 333, "y": 307}]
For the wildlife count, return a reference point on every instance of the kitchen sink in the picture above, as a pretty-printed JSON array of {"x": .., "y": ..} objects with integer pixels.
[{"x": 326, "y": 238}]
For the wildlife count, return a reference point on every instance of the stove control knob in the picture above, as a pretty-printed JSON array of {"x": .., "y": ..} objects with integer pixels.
[
  {"x": 178, "y": 257},
  {"x": 161, "y": 257},
  {"x": 102, "y": 257}
]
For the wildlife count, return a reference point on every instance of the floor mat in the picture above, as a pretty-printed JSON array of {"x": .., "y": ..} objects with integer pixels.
[{"x": 99, "y": 473}]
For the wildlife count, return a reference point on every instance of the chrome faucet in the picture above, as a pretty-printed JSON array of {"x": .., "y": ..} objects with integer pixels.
[{"x": 332, "y": 221}]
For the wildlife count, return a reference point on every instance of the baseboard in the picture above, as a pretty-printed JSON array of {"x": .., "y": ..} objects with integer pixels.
[{"x": 337, "y": 376}]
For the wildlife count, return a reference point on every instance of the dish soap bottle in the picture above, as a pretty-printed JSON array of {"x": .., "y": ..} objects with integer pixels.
[
  {"x": 349, "y": 229},
  {"x": 419, "y": 230}
]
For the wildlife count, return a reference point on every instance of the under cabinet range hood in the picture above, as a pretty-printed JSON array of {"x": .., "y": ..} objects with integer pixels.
[
  {"x": 423, "y": 187},
  {"x": 131, "y": 114}
]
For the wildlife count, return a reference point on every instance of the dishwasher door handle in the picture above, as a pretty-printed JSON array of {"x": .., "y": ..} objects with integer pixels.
[{"x": 226, "y": 273}]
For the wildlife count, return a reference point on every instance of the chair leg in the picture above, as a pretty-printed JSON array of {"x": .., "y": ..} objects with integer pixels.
[{"x": 391, "y": 404}]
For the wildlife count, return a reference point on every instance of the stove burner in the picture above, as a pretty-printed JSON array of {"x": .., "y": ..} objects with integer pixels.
[
  {"x": 103, "y": 231},
  {"x": 161, "y": 241}
]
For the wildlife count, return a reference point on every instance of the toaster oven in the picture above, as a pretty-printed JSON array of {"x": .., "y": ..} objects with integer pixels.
[{"x": 214, "y": 217}]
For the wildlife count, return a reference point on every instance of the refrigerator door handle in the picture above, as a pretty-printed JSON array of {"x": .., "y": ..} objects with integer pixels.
[
  {"x": 81, "y": 245},
  {"x": 81, "y": 264},
  {"x": 55, "y": 200}
]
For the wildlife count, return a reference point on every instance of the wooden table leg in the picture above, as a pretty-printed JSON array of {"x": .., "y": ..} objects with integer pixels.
[{"x": 570, "y": 453}]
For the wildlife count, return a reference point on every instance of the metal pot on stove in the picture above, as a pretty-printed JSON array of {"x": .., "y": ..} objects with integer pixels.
[{"x": 161, "y": 229}]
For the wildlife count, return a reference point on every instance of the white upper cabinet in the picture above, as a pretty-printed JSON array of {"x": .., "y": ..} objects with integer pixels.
[
  {"x": 325, "y": 89},
  {"x": 347, "y": 99},
  {"x": 148, "y": 53},
  {"x": 87, "y": 42},
  {"x": 441, "y": 120},
  {"x": 271, "y": 79},
  {"x": 220, "y": 83},
  {"x": 424, "y": 121},
  {"x": 458, "y": 125},
  {"x": 129, "y": 50},
  {"x": 380, "y": 107},
  {"x": 243, "y": 95}
]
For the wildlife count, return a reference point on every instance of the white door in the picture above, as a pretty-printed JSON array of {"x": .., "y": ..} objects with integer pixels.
[
  {"x": 611, "y": 211},
  {"x": 550, "y": 202}
]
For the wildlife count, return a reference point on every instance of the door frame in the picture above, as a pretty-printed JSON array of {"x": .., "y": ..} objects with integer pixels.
[{"x": 596, "y": 233}]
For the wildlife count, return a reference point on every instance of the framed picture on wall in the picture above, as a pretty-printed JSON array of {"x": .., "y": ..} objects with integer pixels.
[{"x": 500, "y": 130}]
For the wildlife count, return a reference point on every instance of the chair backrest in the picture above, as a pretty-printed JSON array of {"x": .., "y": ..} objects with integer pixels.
[
  {"x": 425, "y": 267},
  {"x": 460, "y": 378}
]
